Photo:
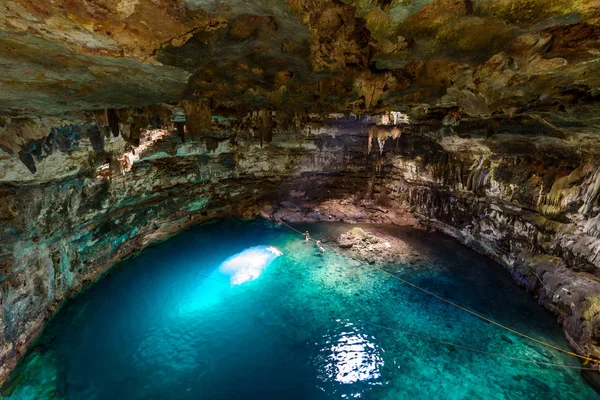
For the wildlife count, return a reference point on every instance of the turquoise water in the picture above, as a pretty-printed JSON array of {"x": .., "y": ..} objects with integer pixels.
[{"x": 213, "y": 313}]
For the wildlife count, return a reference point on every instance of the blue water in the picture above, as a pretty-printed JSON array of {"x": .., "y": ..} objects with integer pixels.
[{"x": 214, "y": 314}]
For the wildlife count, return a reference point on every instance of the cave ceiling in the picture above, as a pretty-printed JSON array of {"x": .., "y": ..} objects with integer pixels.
[{"x": 475, "y": 60}]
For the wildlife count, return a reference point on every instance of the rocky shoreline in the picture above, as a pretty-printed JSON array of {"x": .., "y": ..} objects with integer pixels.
[{"x": 375, "y": 247}]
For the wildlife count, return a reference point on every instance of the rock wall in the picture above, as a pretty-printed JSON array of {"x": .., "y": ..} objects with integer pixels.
[
  {"x": 530, "y": 203},
  {"x": 82, "y": 185}
]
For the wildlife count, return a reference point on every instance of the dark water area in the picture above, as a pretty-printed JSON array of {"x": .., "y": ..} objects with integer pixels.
[{"x": 248, "y": 310}]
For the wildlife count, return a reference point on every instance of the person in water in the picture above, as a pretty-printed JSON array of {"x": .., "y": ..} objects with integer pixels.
[
  {"x": 321, "y": 248},
  {"x": 306, "y": 236}
]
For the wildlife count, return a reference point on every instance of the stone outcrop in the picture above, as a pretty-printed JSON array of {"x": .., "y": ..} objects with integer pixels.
[
  {"x": 375, "y": 247},
  {"x": 533, "y": 211}
]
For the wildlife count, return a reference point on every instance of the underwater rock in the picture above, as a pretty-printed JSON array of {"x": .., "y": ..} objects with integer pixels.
[{"x": 376, "y": 247}]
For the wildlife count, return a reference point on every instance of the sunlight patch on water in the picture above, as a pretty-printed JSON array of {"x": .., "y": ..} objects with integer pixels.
[
  {"x": 249, "y": 264},
  {"x": 245, "y": 266}
]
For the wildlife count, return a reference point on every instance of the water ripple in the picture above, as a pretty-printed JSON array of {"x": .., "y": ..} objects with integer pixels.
[{"x": 349, "y": 355}]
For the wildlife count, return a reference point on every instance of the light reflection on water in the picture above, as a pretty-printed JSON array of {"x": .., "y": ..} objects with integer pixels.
[{"x": 349, "y": 355}]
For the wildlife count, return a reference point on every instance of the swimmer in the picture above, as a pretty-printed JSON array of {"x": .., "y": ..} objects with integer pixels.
[
  {"x": 321, "y": 248},
  {"x": 306, "y": 236}
]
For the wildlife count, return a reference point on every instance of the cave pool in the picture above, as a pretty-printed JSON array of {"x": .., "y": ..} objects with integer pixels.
[{"x": 247, "y": 310}]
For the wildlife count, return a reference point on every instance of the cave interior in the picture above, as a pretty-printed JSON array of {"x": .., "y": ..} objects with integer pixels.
[{"x": 124, "y": 122}]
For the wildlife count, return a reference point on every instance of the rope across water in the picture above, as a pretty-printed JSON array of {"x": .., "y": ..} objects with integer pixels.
[
  {"x": 587, "y": 359},
  {"x": 295, "y": 230},
  {"x": 479, "y": 351},
  {"x": 487, "y": 319}
]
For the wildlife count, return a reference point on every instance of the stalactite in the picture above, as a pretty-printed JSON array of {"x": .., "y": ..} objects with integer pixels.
[
  {"x": 138, "y": 123},
  {"x": 178, "y": 118},
  {"x": 266, "y": 126},
  {"x": 381, "y": 142},
  {"x": 276, "y": 96},
  {"x": 180, "y": 130},
  {"x": 27, "y": 159},
  {"x": 113, "y": 121},
  {"x": 382, "y": 134},
  {"x": 198, "y": 116}
]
